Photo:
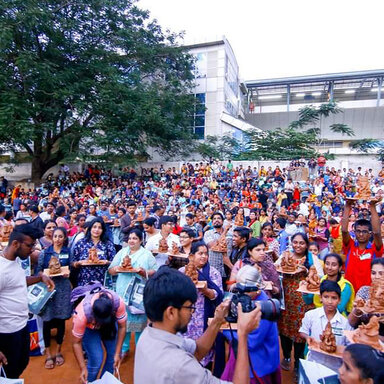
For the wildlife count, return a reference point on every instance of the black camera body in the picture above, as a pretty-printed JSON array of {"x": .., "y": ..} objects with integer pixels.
[{"x": 270, "y": 309}]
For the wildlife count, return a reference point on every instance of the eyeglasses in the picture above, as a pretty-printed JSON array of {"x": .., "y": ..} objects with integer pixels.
[
  {"x": 192, "y": 308},
  {"x": 361, "y": 231}
]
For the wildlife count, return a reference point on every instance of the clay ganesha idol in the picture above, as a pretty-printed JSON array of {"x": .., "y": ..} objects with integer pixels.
[
  {"x": 328, "y": 340},
  {"x": 288, "y": 263},
  {"x": 191, "y": 270},
  {"x": 313, "y": 280},
  {"x": 54, "y": 266},
  {"x": 368, "y": 333}
]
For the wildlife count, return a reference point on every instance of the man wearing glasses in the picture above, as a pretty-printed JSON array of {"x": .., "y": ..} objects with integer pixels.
[
  {"x": 360, "y": 253},
  {"x": 14, "y": 334},
  {"x": 163, "y": 356}
]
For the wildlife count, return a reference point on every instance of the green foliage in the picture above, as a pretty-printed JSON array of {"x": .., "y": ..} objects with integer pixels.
[
  {"x": 289, "y": 143},
  {"x": 87, "y": 77},
  {"x": 365, "y": 145},
  {"x": 343, "y": 129},
  {"x": 279, "y": 144},
  {"x": 224, "y": 147}
]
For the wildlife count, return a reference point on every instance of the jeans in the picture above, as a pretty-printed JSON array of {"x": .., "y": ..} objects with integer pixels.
[
  {"x": 15, "y": 347},
  {"x": 92, "y": 344},
  {"x": 127, "y": 340}
]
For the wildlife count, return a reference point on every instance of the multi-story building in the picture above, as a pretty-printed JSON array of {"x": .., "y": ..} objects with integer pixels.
[
  {"x": 275, "y": 103},
  {"x": 221, "y": 95}
]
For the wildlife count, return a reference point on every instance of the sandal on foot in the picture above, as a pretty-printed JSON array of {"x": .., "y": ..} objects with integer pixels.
[
  {"x": 59, "y": 359},
  {"x": 49, "y": 363}
]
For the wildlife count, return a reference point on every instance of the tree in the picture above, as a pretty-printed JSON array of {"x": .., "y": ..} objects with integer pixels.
[
  {"x": 91, "y": 78},
  {"x": 293, "y": 142}
]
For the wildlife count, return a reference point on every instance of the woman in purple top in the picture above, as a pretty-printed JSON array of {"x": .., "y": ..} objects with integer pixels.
[{"x": 208, "y": 298}]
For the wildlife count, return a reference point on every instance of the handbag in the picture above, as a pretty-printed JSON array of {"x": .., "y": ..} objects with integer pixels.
[
  {"x": 4, "y": 380},
  {"x": 133, "y": 296}
]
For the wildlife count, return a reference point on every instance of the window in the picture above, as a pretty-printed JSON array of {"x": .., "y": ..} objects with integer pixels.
[
  {"x": 231, "y": 76},
  {"x": 199, "y": 116},
  {"x": 200, "y": 69}
]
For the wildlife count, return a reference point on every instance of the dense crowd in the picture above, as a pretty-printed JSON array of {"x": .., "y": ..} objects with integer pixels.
[{"x": 234, "y": 225}]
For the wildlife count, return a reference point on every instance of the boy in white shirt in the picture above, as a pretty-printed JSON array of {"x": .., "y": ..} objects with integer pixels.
[{"x": 316, "y": 320}]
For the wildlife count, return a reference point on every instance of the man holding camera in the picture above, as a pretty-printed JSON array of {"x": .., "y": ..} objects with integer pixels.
[{"x": 163, "y": 356}]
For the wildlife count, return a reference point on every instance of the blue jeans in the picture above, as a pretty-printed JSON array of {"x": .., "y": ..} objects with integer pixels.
[{"x": 93, "y": 346}]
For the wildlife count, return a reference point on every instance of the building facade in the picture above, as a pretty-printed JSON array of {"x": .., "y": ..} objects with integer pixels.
[
  {"x": 221, "y": 97},
  {"x": 275, "y": 103}
]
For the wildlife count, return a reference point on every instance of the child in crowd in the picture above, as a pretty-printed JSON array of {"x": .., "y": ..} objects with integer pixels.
[{"x": 316, "y": 320}]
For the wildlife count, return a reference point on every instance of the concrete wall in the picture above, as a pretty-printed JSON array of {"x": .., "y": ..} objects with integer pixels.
[{"x": 22, "y": 172}]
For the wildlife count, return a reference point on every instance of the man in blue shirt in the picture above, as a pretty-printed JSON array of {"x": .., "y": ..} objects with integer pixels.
[{"x": 282, "y": 236}]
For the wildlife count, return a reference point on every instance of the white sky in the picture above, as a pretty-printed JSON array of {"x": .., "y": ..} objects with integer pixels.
[{"x": 279, "y": 38}]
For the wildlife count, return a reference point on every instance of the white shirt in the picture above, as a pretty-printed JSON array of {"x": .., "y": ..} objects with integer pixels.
[
  {"x": 45, "y": 216},
  {"x": 13, "y": 296},
  {"x": 154, "y": 241},
  {"x": 314, "y": 323}
]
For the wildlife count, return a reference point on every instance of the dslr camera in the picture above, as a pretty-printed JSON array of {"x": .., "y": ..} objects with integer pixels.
[{"x": 270, "y": 309}]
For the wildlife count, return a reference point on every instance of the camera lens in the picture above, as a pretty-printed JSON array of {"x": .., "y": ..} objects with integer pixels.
[{"x": 270, "y": 309}]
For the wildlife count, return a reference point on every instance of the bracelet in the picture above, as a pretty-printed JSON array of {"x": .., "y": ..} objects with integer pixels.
[{"x": 358, "y": 316}]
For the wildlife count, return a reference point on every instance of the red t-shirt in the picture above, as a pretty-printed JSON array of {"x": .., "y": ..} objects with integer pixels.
[{"x": 358, "y": 263}]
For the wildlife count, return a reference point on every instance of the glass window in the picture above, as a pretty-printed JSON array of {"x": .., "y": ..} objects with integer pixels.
[{"x": 198, "y": 127}]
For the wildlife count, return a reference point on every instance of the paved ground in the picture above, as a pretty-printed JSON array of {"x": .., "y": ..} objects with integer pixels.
[{"x": 69, "y": 372}]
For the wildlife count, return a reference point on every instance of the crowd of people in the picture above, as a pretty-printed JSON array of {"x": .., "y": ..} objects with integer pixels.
[{"x": 233, "y": 225}]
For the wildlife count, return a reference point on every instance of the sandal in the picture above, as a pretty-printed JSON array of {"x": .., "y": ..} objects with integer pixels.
[
  {"x": 59, "y": 359},
  {"x": 49, "y": 363}
]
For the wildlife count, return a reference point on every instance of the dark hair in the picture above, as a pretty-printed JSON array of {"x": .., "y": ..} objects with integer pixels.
[
  {"x": 315, "y": 244},
  {"x": 2, "y": 208},
  {"x": 46, "y": 222},
  {"x": 60, "y": 210},
  {"x": 253, "y": 243},
  {"x": 8, "y": 215},
  {"x": 378, "y": 261},
  {"x": 363, "y": 223},
  {"x": 122, "y": 209},
  {"x": 267, "y": 224},
  {"x": 368, "y": 360},
  {"x": 189, "y": 232},
  {"x": 189, "y": 215},
  {"x": 80, "y": 216},
  {"x": 196, "y": 245},
  {"x": 103, "y": 313},
  {"x": 131, "y": 203},
  {"x": 339, "y": 260},
  {"x": 64, "y": 231},
  {"x": 34, "y": 208},
  {"x": 150, "y": 221},
  {"x": 167, "y": 287},
  {"x": 330, "y": 286},
  {"x": 164, "y": 220},
  {"x": 103, "y": 237},
  {"x": 305, "y": 238},
  {"x": 21, "y": 231},
  {"x": 333, "y": 221},
  {"x": 243, "y": 232},
  {"x": 137, "y": 232},
  {"x": 281, "y": 221},
  {"x": 217, "y": 213}
]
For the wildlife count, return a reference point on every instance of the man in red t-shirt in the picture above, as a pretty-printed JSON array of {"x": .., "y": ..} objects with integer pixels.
[{"x": 360, "y": 253}]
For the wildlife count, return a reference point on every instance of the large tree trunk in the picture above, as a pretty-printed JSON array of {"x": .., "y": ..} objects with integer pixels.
[{"x": 39, "y": 166}]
